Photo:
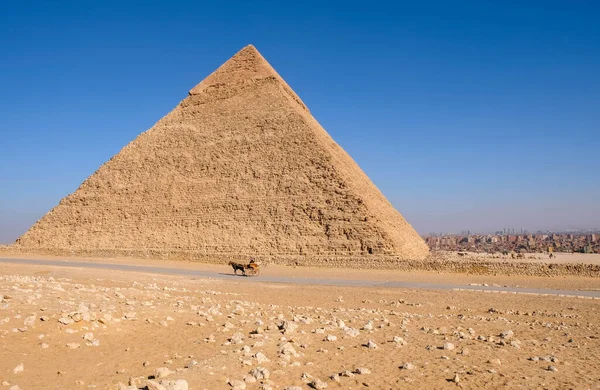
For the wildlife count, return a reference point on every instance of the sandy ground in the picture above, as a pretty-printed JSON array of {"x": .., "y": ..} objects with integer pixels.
[{"x": 121, "y": 326}]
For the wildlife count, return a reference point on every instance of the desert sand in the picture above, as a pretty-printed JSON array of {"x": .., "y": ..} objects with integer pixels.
[{"x": 69, "y": 328}]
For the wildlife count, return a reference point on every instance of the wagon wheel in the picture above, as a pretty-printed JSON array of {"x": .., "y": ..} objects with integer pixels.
[{"x": 253, "y": 271}]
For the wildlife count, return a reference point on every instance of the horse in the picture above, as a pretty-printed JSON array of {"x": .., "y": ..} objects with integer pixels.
[{"x": 238, "y": 266}]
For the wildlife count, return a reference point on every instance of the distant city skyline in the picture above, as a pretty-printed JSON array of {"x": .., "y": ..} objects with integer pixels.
[
  {"x": 466, "y": 118},
  {"x": 507, "y": 243},
  {"x": 514, "y": 232}
]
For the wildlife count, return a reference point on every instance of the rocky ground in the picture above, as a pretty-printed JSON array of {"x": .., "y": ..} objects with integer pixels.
[{"x": 72, "y": 328}]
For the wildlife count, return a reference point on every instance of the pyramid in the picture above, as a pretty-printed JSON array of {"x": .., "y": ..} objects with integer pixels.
[{"x": 239, "y": 168}]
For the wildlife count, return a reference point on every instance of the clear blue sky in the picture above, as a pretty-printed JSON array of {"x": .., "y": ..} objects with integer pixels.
[{"x": 467, "y": 115}]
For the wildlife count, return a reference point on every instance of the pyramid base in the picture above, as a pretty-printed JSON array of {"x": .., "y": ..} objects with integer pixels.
[{"x": 358, "y": 262}]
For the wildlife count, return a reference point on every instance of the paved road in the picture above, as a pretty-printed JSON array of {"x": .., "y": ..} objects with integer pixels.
[{"x": 314, "y": 281}]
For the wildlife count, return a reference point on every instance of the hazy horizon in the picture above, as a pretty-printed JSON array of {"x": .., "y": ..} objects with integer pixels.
[{"x": 479, "y": 117}]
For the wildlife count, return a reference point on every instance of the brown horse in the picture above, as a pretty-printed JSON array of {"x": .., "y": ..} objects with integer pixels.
[{"x": 238, "y": 267}]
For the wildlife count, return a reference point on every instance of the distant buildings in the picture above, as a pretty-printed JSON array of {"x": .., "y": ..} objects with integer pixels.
[{"x": 505, "y": 241}]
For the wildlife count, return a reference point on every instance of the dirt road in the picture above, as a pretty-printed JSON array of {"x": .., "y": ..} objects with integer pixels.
[{"x": 279, "y": 278}]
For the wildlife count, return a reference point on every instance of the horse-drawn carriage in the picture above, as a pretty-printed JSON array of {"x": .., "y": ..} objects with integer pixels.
[{"x": 250, "y": 269}]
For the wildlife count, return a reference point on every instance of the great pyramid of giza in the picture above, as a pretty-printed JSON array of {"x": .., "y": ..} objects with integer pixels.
[{"x": 239, "y": 168}]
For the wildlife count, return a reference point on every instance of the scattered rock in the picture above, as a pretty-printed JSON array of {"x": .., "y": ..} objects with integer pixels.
[
  {"x": 179, "y": 384},
  {"x": 507, "y": 334},
  {"x": 288, "y": 327},
  {"x": 287, "y": 349},
  {"x": 30, "y": 321},
  {"x": 456, "y": 378},
  {"x": 318, "y": 384},
  {"x": 18, "y": 369},
  {"x": 249, "y": 379},
  {"x": 260, "y": 373},
  {"x": 162, "y": 372},
  {"x": 153, "y": 385},
  {"x": 237, "y": 385},
  {"x": 237, "y": 338},
  {"x": 65, "y": 320},
  {"x": 130, "y": 315},
  {"x": 261, "y": 357}
]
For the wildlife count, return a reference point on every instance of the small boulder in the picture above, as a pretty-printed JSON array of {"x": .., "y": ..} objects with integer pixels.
[
  {"x": 507, "y": 334},
  {"x": 260, "y": 373},
  {"x": 318, "y": 384},
  {"x": 153, "y": 385},
  {"x": 237, "y": 385},
  {"x": 179, "y": 384},
  {"x": 18, "y": 369},
  {"x": 261, "y": 357},
  {"x": 237, "y": 338},
  {"x": 162, "y": 372},
  {"x": 288, "y": 327}
]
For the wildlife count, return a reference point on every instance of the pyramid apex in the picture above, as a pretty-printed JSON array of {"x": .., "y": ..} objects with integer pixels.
[
  {"x": 247, "y": 64},
  {"x": 248, "y": 50},
  {"x": 250, "y": 47}
]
